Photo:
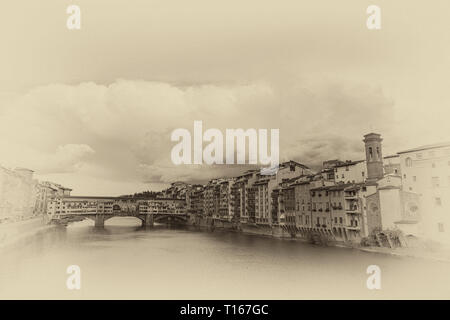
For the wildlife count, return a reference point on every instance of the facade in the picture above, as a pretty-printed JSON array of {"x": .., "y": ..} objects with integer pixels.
[
  {"x": 23, "y": 197},
  {"x": 17, "y": 193},
  {"x": 426, "y": 171},
  {"x": 263, "y": 201},
  {"x": 211, "y": 196},
  {"x": 351, "y": 172},
  {"x": 194, "y": 200}
]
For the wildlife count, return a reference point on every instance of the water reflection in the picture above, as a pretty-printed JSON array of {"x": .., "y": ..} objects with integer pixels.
[{"x": 124, "y": 260}]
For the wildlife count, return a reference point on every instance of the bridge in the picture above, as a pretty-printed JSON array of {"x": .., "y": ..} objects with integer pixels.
[{"x": 100, "y": 209}]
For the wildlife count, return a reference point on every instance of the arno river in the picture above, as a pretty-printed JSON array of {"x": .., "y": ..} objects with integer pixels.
[{"x": 123, "y": 261}]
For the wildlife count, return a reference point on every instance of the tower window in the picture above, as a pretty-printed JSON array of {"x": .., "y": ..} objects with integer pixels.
[
  {"x": 370, "y": 153},
  {"x": 378, "y": 153}
]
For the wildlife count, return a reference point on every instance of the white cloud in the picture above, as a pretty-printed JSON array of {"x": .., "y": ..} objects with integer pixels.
[{"x": 56, "y": 128}]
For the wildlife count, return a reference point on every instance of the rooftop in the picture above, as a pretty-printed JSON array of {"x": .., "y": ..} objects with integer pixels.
[
  {"x": 427, "y": 147},
  {"x": 349, "y": 163}
]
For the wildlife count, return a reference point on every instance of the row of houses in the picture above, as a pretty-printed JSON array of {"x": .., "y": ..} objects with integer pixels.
[
  {"x": 408, "y": 191},
  {"x": 79, "y": 205}
]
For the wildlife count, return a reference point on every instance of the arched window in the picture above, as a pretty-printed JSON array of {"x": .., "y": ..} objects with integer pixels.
[
  {"x": 408, "y": 162},
  {"x": 370, "y": 153}
]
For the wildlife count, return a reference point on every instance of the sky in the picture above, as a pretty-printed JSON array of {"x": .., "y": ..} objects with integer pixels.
[{"x": 93, "y": 109}]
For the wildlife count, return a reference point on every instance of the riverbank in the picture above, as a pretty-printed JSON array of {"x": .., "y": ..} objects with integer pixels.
[
  {"x": 417, "y": 248},
  {"x": 13, "y": 232}
]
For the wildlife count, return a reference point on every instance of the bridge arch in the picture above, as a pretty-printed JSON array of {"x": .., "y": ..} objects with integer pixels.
[
  {"x": 100, "y": 220},
  {"x": 109, "y": 217},
  {"x": 165, "y": 218}
]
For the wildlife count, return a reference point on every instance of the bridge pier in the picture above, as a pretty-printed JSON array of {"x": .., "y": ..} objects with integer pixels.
[
  {"x": 148, "y": 220},
  {"x": 99, "y": 221}
]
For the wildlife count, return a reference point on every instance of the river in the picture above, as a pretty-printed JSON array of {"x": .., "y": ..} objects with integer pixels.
[{"x": 123, "y": 261}]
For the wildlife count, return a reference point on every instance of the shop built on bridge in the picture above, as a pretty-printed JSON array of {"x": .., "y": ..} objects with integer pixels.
[{"x": 99, "y": 209}]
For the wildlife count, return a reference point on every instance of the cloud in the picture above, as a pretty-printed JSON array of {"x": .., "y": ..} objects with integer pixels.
[{"x": 56, "y": 128}]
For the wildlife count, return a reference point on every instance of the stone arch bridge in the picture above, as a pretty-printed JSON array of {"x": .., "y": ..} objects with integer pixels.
[{"x": 100, "y": 209}]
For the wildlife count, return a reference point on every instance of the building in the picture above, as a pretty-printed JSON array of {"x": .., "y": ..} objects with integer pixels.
[
  {"x": 110, "y": 205},
  {"x": 391, "y": 164},
  {"x": 426, "y": 171},
  {"x": 211, "y": 197},
  {"x": 194, "y": 200},
  {"x": 17, "y": 193},
  {"x": 351, "y": 172}
]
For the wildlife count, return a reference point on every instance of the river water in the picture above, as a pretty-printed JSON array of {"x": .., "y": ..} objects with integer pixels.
[{"x": 123, "y": 261}]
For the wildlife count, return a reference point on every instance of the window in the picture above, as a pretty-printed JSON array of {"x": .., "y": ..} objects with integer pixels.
[
  {"x": 370, "y": 153},
  {"x": 438, "y": 201},
  {"x": 340, "y": 220},
  {"x": 362, "y": 173},
  {"x": 408, "y": 162},
  {"x": 335, "y": 219},
  {"x": 441, "y": 227},
  {"x": 343, "y": 176},
  {"x": 414, "y": 178},
  {"x": 346, "y": 169},
  {"x": 378, "y": 153},
  {"x": 435, "y": 182}
]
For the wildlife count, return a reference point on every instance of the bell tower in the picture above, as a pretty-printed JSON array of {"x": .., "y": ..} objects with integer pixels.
[{"x": 374, "y": 157}]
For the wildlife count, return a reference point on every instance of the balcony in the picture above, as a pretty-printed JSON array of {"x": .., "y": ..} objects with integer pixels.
[{"x": 353, "y": 209}]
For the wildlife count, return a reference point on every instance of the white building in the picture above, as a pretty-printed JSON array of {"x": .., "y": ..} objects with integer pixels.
[{"x": 426, "y": 171}]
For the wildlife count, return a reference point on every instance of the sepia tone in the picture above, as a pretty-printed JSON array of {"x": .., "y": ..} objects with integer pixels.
[{"x": 93, "y": 205}]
